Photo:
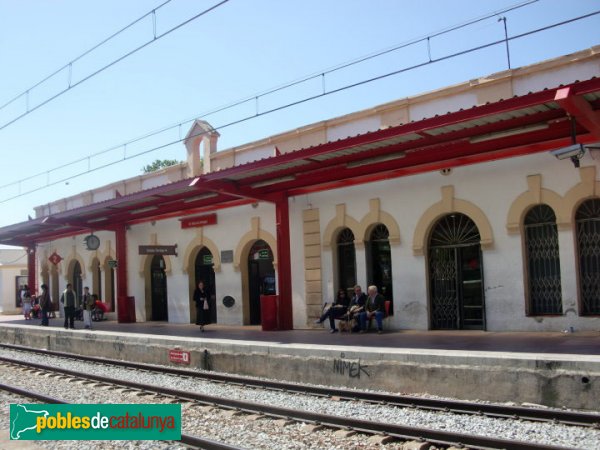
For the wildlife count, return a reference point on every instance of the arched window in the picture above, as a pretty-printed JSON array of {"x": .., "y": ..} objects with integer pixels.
[
  {"x": 587, "y": 220},
  {"x": 346, "y": 259},
  {"x": 542, "y": 261},
  {"x": 379, "y": 262},
  {"x": 456, "y": 274}
]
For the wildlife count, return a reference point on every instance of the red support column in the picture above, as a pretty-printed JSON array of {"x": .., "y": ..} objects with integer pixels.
[
  {"x": 284, "y": 265},
  {"x": 125, "y": 305},
  {"x": 31, "y": 269}
]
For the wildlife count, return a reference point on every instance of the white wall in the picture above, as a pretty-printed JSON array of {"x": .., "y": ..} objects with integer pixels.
[
  {"x": 490, "y": 186},
  {"x": 8, "y": 293},
  {"x": 231, "y": 225}
]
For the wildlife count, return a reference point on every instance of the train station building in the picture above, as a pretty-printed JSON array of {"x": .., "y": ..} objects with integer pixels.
[{"x": 475, "y": 206}]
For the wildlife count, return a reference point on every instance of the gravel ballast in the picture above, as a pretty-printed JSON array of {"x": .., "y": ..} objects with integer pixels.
[{"x": 236, "y": 431}]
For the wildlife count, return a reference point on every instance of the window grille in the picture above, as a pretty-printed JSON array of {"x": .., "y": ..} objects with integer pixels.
[
  {"x": 587, "y": 220},
  {"x": 346, "y": 256},
  {"x": 379, "y": 262},
  {"x": 543, "y": 261}
]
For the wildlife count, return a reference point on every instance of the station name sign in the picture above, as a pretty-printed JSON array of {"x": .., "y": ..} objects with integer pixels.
[
  {"x": 157, "y": 250},
  {"x": 199, "y": 221}
]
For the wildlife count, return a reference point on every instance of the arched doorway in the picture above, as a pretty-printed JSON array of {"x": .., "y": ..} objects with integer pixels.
[
  {"x": 261, "y": 277},
  {"x": 346, "y": 259},
  {"x": 158, "y": 286},
  {"x": 77, "y": 280},
  {"x": 109, "y": 286},
  {"x": 587, "y": 219},
  {"x": 204, "y": 270},
  {"x": 456, "y": 274},
  {"x": 379, "y": 262}
]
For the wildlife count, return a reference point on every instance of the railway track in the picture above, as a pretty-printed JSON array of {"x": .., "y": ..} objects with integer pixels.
[
  {"x": 574, "y": 418},
  {"x": 438, "y": 438},
  {"x": 191, "y": 441}
]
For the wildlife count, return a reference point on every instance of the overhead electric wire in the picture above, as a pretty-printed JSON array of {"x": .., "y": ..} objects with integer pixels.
[
  {"x": 277, "y": 89},
  {"x": 70, "y": 63},
  {"x": 306, "y": 99},
  {"x": 103, "y": 68}
]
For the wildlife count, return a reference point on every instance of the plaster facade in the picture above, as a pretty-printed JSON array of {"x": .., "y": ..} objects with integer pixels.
[
  {"x": 13, "y": 264},
  {"x": 494, "y": 195}
]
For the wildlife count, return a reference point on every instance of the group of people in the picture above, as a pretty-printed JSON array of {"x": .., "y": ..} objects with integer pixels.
[
  {"x": 36, "y": 307},
  {"x": 72, "y": 305},
  {"x": 356, "y": 311}
]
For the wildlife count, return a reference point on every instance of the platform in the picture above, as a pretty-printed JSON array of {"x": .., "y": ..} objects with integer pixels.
[{"x": 554, "y": 369}]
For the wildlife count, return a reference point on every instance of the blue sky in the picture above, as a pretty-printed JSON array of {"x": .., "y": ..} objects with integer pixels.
[{"x": 242, "y": 48}]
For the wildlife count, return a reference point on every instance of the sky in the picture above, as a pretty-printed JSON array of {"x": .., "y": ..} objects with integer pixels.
[{"x": 238, "y": 50}]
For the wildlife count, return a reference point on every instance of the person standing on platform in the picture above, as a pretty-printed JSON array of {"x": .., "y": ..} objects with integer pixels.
[
  {"x": 45, "y": 304},
  {"x": 26, "y": 305},
  {"x": 374, "y": 307},
  {"x": 88, "y": 306},
  {"x": 69, "y": 299},
  {"x": 338, "y": 309},
  {"x": 202, "y": 306}
]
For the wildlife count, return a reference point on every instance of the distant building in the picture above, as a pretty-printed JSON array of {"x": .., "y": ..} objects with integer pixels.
[
  {"x": 451, "y": 202},
  {"x": 13, "y": 276}
]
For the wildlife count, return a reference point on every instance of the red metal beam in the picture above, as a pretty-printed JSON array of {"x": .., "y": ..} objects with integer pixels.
[
  {"x": 31, "y": 269},
  {"x": 579, "y": 108},
  {"x": 455, "y": 161},
  {"x": 533, "y": 119},
  {"x": 284, "y": 264},
  {"x": 423, "y": 155},
  {"x": 125, "y": 309}
]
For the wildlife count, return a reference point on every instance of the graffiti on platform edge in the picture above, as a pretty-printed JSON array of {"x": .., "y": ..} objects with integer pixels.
[{"x": 352, "y": 369}]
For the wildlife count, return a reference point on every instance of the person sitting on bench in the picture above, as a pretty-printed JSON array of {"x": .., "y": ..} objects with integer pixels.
[
  {"x": 375, "y": 307},
  {"x": 336, "y": 311},
  {"x": 357, "y": 305}
]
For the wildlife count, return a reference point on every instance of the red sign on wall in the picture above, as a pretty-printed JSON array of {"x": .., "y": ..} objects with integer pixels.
[
  {"x": 179, "y": 356},
  {"x": 55, "y": 258},
  {"x": 199, "y": 221}
]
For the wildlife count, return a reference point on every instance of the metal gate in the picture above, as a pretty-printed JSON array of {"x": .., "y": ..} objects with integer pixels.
[
  {"x": 158, "y": 286},
  {"x": 543, "y": 261},
  {"x": 587, "y": 220},
  {"x": 456, "y": 275}
]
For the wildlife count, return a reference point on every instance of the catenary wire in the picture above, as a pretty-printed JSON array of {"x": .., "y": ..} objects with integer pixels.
[
  {"x": 87, "y": 52},
  {"x": 277, "y": 89},
  {"x": 313, "y": 97},
  {"x": 112, "y": 63}
]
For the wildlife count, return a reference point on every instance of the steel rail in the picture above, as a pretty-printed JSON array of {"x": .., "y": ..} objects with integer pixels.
[
  {"x": 192, "y": 441},
  {"x": 574, "y": 418},
  {"x": 436, "y": 437}
]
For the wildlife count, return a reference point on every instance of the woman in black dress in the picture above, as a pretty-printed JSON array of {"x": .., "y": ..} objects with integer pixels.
[{"x": 202, "y": 305}]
